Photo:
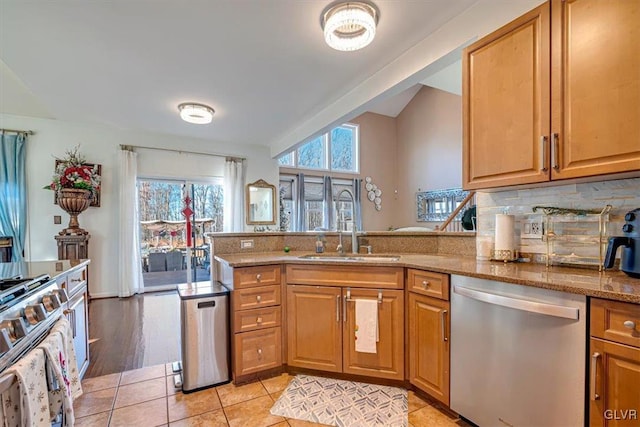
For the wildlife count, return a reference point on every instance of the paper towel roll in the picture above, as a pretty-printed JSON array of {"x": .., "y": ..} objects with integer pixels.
[{"x": 504, "y": 232}]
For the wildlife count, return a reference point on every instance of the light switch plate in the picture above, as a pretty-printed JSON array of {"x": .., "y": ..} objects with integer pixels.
[
  {"x": 246, "y": 244},
  {"x": 57, "y": 219},
  {"x": 532, "y": 229}
]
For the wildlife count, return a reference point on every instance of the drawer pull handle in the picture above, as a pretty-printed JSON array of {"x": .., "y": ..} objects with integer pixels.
[
  {"x": 594, "y": 375},
  {"x": 258, "y": 298},
  {"x": 258, "y": 277},
  {"x": 630, "y": 324},
  {"x": 425, "y": 284},
  {"x": 338, "y": 308},
  {"x": 260, "y": 353},
  {"x": 76, "y": 280},
  {"x": 259, "y": 320}
]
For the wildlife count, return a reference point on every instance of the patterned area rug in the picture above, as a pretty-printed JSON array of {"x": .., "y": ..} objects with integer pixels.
[{"x": 342, "y": 403}]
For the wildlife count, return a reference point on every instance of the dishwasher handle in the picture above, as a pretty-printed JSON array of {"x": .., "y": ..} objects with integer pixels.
[{"x": 519, "y": 304}]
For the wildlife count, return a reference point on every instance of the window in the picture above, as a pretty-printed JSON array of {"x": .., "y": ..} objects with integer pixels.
[
  {"x": 333, "y": 151},
  {"x": 308, "y": 205}
]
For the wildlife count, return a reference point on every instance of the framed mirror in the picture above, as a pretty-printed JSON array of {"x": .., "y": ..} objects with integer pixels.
[{"x": 261, "y": 203}]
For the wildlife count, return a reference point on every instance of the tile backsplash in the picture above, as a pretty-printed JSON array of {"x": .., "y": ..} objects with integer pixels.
[{"x": 623, "y": 195}]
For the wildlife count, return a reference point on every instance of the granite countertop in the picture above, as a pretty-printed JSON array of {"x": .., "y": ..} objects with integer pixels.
[
  {"x": 37, "y": 268},
  {"x": 612, "y": 284}
]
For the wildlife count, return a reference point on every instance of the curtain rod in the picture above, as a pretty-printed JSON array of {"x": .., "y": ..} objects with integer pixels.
[
  {"x": 130, "y": 147},
  {"x": 28, "y": 132}
]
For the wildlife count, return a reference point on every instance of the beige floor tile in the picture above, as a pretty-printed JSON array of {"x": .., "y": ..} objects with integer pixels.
[
  {"x": 208, "y": 419},
  {"x": 94, "y": 402},
  {"x": 188, "y": 405},
  {"x": 140, "y": 392},
  {"x": 100, "y": 383},
  {"x": 97, "y": 420},
  {"x": 171, "y": 389},
  {"x": 430, "y": 417},
  {"x": 231, "y": 394},
  {"x": 146, "y": 414},
  {"x": 299, "y": 423},
  {"x": 282, "y": 424},
  {"x": 142, "y": 374},
  {"x": 252, "y": 413},
  {"x": 276, "y": 395},
  {"x": 415, "y": 401},
  {"x": 278, "y": 383}
]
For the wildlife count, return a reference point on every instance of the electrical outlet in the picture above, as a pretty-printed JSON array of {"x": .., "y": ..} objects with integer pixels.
[
  {"x": 532, "y": 229},
  {"x": 57, "y": 219},
  {"x": 246, "y": 244}
]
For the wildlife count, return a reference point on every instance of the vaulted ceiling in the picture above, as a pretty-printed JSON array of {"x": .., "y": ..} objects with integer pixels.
[{"x": 261, "y": 64}]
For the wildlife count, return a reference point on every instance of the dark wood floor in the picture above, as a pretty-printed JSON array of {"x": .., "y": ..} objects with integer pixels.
[{"x": 130, "y": 333}]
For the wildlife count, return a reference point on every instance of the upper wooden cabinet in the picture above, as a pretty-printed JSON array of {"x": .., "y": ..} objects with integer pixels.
[{"x": 555, "y": 94}]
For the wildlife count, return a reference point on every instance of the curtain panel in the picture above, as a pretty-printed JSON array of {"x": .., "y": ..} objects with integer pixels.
[
  {"x": 233, "y": 196},
  {"x": 13, "y": 191},
  {"x": 130, "y": 264}
]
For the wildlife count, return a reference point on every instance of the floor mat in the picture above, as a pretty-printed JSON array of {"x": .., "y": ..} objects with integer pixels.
[{"x": 342, "y": 403}]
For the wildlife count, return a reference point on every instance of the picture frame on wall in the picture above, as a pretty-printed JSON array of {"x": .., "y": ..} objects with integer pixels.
[{"x": 96, "y": 200}]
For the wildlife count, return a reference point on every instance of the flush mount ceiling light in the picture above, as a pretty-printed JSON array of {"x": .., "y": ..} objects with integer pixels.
[
  {"x": 199, "y": 114},
  {"x": 349, "y": 26}
]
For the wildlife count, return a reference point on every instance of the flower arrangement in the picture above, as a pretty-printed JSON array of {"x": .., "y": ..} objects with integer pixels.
[{"x": 72, "y": 171}]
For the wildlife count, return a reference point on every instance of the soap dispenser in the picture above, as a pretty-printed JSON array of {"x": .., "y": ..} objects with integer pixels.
[{"x": 319, "y": 245}]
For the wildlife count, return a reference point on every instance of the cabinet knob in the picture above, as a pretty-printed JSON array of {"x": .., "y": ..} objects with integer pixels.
[
  {"x": 425, "y": 284},
  {"x": 258, "y": 298},
  {"x": 258, "y": 320},
  {"x": 629, "y": 324},
  {"x": 258, "y": 277},
  {"x": 260, "y": 352}
]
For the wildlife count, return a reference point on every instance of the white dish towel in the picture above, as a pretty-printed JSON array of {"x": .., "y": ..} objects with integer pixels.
[{"x": 366, "y": 332}]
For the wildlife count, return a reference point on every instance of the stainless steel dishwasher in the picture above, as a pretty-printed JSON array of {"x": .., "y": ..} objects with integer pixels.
[
  {"x": 517, "y": 354},
  {"x": 204, "y": 315}
]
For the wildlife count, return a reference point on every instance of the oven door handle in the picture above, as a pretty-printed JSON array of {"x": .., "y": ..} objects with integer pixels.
[{"x": 519, "y": 303}]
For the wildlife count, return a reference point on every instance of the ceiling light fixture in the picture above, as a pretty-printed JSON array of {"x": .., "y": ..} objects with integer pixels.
[
  {"x": 350, "y": 26},
  {"x": 199, "y": 114}
]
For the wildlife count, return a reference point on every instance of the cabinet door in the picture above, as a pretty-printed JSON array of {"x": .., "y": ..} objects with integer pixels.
[
  {"x": 429, "y": 327},
  {"x": 314, "y": 327},
  {"x": 614, "y": 393},
  {"x": 506, "y": 106},
  {"x": 77, "y": 316},
  {"x": 595, "y": 87},
  {"x": 388, "y": 361}
]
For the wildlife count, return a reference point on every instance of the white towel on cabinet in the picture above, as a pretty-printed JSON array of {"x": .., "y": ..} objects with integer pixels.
[
  {"x": 60, "y": 389},
  {"x": 366, "y": 330},
  {"x": 63, "y": 327},
  {"x": 33, "y": 406}
]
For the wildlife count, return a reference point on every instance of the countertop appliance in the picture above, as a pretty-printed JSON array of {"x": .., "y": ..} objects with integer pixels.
[
  {"x": 630, "y": 243},
  {"x": 517, "y": 354},
  {"x": 204, "y": 315}
]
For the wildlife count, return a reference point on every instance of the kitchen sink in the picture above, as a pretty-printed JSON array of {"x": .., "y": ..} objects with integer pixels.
[{"x": 359, "y": 258}]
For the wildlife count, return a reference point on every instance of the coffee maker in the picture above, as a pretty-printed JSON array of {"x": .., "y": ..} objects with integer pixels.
[{"x": 630, "y": 243}]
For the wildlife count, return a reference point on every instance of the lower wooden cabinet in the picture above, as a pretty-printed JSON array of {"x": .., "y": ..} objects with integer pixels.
[
  {"x": 614, "y": 383},
  {"x": 321, "y": 331},
  {"x": 257, "y": 351},
  {"x": 429, "y": 326}
]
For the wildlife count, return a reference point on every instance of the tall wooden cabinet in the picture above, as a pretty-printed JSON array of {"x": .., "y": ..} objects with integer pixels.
[
  {"x": 555, "y": 94},
  {"x": 321, "y": 319},
  {"x": 614, "y": 384},
  {"x": 429, "y": 327}
]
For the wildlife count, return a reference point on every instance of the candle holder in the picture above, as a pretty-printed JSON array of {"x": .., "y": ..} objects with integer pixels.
[{"x": 505, "y": 255}]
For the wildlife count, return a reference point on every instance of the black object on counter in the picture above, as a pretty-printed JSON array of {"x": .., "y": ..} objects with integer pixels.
[{"x": 630, "y": 244}]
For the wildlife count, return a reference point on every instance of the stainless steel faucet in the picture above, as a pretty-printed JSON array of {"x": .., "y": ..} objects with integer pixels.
[{"x": 354, "y": 227}]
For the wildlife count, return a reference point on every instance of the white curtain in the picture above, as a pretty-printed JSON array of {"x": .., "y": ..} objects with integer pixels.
[
  {"x": 233, "y": 196},
  {"x": 130, "y": 280}
]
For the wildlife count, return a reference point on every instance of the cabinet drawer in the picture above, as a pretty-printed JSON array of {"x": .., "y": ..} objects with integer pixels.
[
  {"x": 257, "y": 351},
  {"x": 615, "y": 321},
  {"x": 261, "y": 275},
  {"x": 73, "y": 281},
  {"x": 263, "y": 296},
  {"x": 360, "y": 276},
  {"x": 259, "y": 318},
  {"x": 428, "y": 283}
]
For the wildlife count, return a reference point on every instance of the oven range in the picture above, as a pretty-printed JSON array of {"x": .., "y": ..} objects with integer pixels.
[{"x": 28, "y": 309}]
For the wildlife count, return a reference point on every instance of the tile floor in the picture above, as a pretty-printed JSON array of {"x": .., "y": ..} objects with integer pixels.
[{"x": 146, "y": 397}]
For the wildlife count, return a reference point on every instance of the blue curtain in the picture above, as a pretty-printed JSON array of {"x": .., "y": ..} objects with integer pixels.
[{"x": 13, "y": 191}]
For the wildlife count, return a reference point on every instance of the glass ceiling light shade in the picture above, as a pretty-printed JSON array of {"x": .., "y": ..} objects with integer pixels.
[
  {"x": 199, "y": 114},
  {"x": 349, "y": 26}
]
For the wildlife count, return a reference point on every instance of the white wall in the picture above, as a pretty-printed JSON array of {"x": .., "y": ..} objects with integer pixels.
[{"x": 100, "y": 144}]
